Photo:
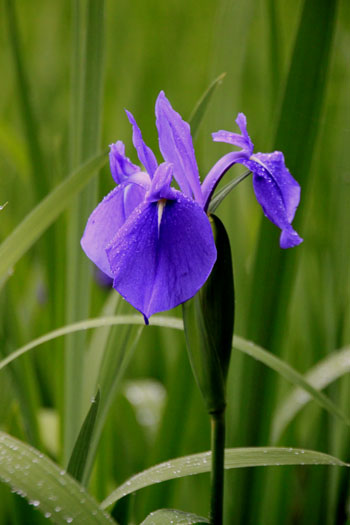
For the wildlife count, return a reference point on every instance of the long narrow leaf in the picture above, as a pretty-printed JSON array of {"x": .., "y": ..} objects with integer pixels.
[
  {"x": 43, "y": 215},
  {"x": 320, "y": 376},
  {"x": 46, "y": 486},
  {"x": 289, "y": 373},
  {"x": 80, "y": 452},
  {"x": 234, "y": 458},
  {"x": 239, "y": 343},
  {"x": 202, "y": 105},
  {"x": 168, "y": 516}
]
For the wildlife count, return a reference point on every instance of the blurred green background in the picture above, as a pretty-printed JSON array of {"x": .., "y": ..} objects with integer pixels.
[{"x": 287, "y": 69}]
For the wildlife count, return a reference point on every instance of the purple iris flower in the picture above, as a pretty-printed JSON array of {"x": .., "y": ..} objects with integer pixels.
[
  {"x": 276, "y": 190},
  {"x": 155, "y": 241}
]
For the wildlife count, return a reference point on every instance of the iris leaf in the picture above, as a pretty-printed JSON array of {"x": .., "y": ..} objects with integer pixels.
[
  {"x": 46, "y": 486},
  {"x": 234, "y": 458},
  {"x": 168, "y": 516},
  {"x": 43, "y": 215},
  {"x": 202, "y": 105},
  {"x": 79, "y": 455},
  {"x": 220, "y": 195},
  {"x": 320, "y": 376},
  {"x": 239, "y": 343}
]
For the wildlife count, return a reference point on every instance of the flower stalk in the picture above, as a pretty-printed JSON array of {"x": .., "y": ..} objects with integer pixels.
[
  {"x": 208, "y": 321},
  {"x": 217, "y": 469}
]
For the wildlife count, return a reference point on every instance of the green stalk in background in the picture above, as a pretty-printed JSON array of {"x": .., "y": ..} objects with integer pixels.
[
  {"x": 296, "y": 133},
  {"x": 86, "y": 110}
]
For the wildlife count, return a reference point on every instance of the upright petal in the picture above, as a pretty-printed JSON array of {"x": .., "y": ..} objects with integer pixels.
[
  {"x": 145, "y": 154},
  {"x": 105, "y": 221},
  {"x": 160, "y": 187},
  {"x": 175, "y": 143},
  {"x": 158, "y": 265},
  {"x": 242, "y": 141},
  {"x": 121, "y": 166}
]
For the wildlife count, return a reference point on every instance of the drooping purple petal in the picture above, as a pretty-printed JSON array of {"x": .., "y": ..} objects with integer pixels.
[
  {"x": 121, "y": 166},
  {"x": 242, "y": 141},
  {"x": 289, "y": 187},
  {"x": 175, "y": 143},
  {"x": 278, "y": 200},
  {"x": 105, "y": 221},
  {"x": 161, "y": 260},
  {"x": 145, "y": 154}
]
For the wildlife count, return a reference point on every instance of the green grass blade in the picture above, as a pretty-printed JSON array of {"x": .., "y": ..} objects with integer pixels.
[
  {"x": 220, "y": 195},
  {"x": 168, "y": 516},
  {"x": 239, "y": 343},
  {"x": 289, "y": 373},
  {"x": 202, "y": 105},
  {"x": 116, "y": 359},
  {"x": 30, "y": 122},
  {"x": 234, "y": 458},
  {"x": 296, "y": 133},
  {"x": 43, "y": 215},
  {"x": 320, "y": 376},
  {"x": 77, "y": 462},
  {"x": 89, "y": 61},
  {"x": 46, "y": 486}
]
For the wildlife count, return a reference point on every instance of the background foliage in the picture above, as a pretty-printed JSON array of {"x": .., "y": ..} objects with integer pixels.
[{"x": 287, "y": 69}]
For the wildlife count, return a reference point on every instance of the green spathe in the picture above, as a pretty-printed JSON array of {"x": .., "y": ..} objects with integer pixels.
[{"x": 208, "y": 321}]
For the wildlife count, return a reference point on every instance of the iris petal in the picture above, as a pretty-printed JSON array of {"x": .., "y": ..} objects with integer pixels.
[
  {"x": 105, "y": 221},
  {"x": 175, "y": 143},
  {"x": 145, "y": 154},
  {"x": 159, "y": 264},
  {"x": 242, "y": 141},
  {"x": 121, "y": 166},
  {"x": 288, "y": 186},
  {"x": 270, "y": 198}
]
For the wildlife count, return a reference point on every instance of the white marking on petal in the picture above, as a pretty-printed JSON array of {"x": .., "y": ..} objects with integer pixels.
[{"x": 160, "y": 207}]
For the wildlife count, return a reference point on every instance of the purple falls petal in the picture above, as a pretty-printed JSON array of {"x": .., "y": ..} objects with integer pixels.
[
  {"x": 105, "y": 221},
  {"x": 121, "y": 166},
  {"x": 175, "y": 143},
  {"x": 289, "y": 187},
  {"x": 145, "y": 154},
  {"x": 277, "y": 203},
  {"x": 162, "y": 255}
]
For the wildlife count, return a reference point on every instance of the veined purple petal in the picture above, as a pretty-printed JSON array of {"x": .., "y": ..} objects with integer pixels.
[
  {"x": 175, "y": 143},
  {"x": 121, "y": 166},
  {"x": 105, "y": 221},
  {"x": 145, "y": 154},
  {"x": 217, "y": 171},
  {"x": 161, "y": 258}
]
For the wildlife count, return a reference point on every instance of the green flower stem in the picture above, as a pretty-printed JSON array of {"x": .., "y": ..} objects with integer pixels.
[{"x": 217, "y": 469}]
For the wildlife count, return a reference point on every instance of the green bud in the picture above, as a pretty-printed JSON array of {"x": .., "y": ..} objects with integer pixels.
[{"x": 208, "y": 320}]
